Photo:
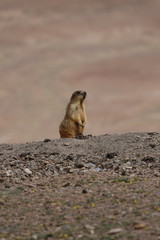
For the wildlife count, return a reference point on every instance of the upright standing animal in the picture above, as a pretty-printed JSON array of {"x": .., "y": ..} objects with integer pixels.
[{"x": 75, "y": 118}]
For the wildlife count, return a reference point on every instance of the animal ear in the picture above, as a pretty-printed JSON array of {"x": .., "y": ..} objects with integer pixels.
[{"x": 75, "y": 93}]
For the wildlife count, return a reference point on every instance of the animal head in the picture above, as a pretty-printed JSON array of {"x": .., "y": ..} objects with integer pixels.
[{"x": 78, "y": 96}]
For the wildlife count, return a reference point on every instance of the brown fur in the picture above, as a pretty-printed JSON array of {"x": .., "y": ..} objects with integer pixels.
[{"x": 75, "y": 118}]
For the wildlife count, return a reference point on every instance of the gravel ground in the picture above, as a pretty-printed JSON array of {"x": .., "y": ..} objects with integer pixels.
[{"x": 104, "y": 187}]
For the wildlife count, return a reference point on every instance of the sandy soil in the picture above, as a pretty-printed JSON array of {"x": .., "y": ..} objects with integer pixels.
[
  {"x": 48, "y": 49},
  {"x": 103, "y": 188}
]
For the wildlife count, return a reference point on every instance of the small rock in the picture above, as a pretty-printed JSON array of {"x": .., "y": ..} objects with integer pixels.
[
  {"x": 111, "y": 155},
  {"x": 107, "y": 165},
  {"x": 50, "y": 167},
  {"x": 152, "y": 133},
  {"x": 45, "y": 162},
  {"x": 66, "y": 184},
  {"x": 152, "y": 145},
  {"x": 28, "y": 171},
  {"x": 2, "y": 202},
  {"x": 35, "y": 236},
  {"x": 54, "y": 153},
  {"x": 23, "y": 178},
  {"x": 80, "y": 136},
  {"x": 72, "y": 170},
  {"x": 69, "y": 157},
  {"x": 140, "y": 225},
  {"x": 48, "y": 173},
  {"x": 97, "y": 169},
  {"x": 24, "y": 154},
  {"x": 67, "y": 169},
  {"x": 157, "y": 174},
  {"x": 91, "y": 165},
  {"x": 38, "y": 174},
  {"x": 115, "y": 230},
  {"x": 90, "y": 228},
  {"x": 128, "y": 164},
  {"x": 13, "y": 163},
  {"x": 56, "y": 173},
  {"x": 47, "y": 140},
  {"x": 9, "y": 173},
  {"x": 1, "y": 180},
  {"x": 148, "y": 159},
  {"x": 66, "y": 144},
  {"x": 17, "y": 162},
  {"x": 79, "y": 165},
  {"x": 155, "y": 214},
  {"x": 84, "y": 191}
]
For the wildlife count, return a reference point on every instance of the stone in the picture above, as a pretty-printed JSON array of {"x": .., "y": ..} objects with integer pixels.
[
  {"x": 97, "y": 169},
  {"x": 115, "y": 230},
  {"x": 9, "y": 173},
  {"x": 67, "y": 169},
  {"x": 111, "y": 155},
  {"x": 140, "y": 225},
  {"x": 66, "y": 144},
  {"x": 84, "y": 191},
  {"x": 79, "y": 165},
  {"x": 47, "y": 140},
  {"x": 2, "y": 202},
  {"x": 91, "y": 165},
  {"x": 28, "y": 171}
]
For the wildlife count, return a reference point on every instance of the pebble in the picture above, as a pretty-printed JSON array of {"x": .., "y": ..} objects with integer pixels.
[
  {"x": 2, "y": 202},
  {"x": 79, "y": 165},
  {"x": 156, "y": 173},
  {"x": 56, "y": 173},
  {"x": 140, "y": 225},
  {"x": 115, "y": 230},
  {"x": 111, "y": 155},
  {"x": 148, "y": 159},
  {"x": 91, "y": 165},
  {"x": 96, "y": 169},
  {"x": 50, "y": 167},
  {"x": 66, "y": 144},
  {"x": 90, "y": 228},
  {"x": 84, "y": 191},
  {"x": 39, "y": 174},
  {"x": 9, "y": 173},
  {"x": 28, "y": 171},
  {"x": 47, "y": 140},
  {"x": 48, "y": 173},
  {"x": 16, "y": 180},
  {"x": 67, "y": 169},
  {"x": 71, "y": 170}
]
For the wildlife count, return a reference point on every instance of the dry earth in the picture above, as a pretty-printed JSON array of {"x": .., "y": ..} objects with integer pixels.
[
  {"x": 102, "y": 188},
  {"x": 48, "y": 49}
]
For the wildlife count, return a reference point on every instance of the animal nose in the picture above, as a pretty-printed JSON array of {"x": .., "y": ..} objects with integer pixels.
[{"x": 84, "y": 94}]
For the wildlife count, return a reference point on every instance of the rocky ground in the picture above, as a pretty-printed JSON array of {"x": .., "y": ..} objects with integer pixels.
[{"x": 104, "y": 187}]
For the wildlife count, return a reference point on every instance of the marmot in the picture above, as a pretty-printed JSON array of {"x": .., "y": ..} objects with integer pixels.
[{"x": 75, "y": 118}]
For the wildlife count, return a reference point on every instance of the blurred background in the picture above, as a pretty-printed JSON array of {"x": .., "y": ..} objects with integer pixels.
[{"x": 49, "y": 49}]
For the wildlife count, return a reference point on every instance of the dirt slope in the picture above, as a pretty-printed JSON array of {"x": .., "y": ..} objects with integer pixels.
[{"x": 104, "y": 187}]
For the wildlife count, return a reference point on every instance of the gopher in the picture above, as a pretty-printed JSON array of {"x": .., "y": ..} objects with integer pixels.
[{"x": 75, "y": 118}]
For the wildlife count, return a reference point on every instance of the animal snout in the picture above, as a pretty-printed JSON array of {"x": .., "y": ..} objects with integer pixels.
[{"x": 84, "y": 94}]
